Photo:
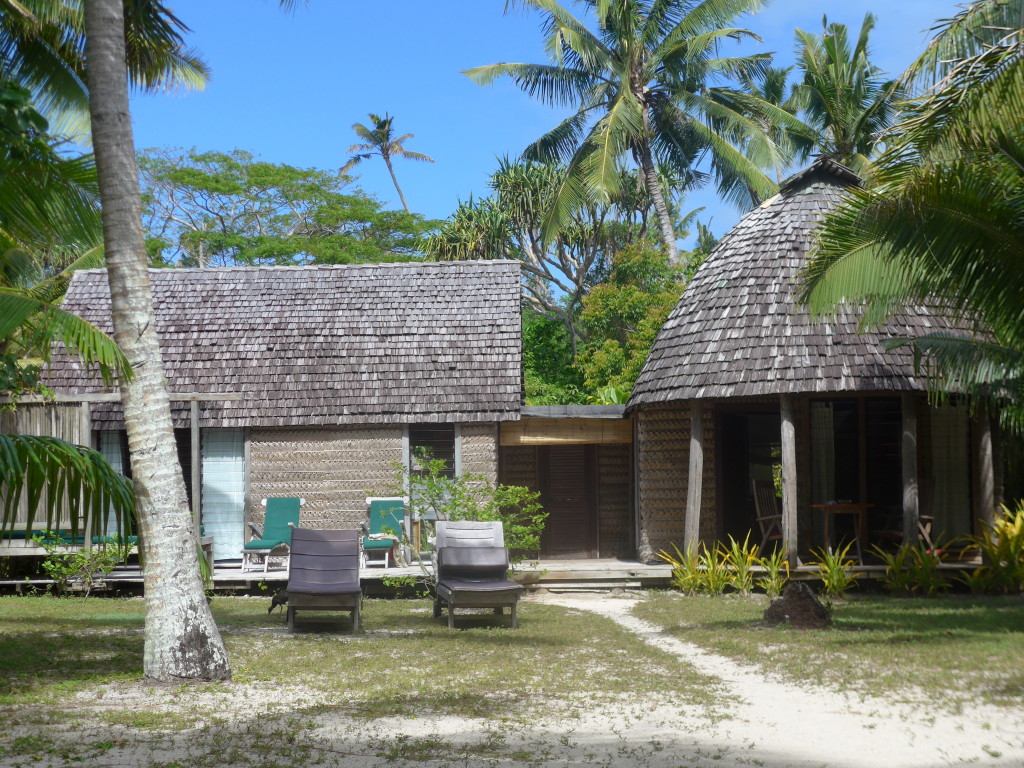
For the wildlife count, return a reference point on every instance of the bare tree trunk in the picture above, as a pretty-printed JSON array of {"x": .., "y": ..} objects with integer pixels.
[
  {"x": 667, "y": 231},
  {"x": 182, "y": 640},
  {"x": 394, "y": 179}
]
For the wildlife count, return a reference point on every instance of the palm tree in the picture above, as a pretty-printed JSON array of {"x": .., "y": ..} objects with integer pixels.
[
  {"x": 381, "y": 141},
  {"x": 844, "y": 97},
  {"x": 642, "y": 88},
  {"x": 182, "y": 640},
  {"x": 945, "y": 220},
  {"x": 42, "y": 49}
]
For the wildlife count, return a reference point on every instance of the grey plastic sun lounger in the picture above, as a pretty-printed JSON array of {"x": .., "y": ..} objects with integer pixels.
[{"x": 324, "y": 573}]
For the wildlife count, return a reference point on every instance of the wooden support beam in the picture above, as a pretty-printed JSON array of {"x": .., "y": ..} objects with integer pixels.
[
  {"x": 984, "y": 466},
  {"x": 695, "y": 478},
  {"x": 197, "y": 464},
  {"x": 908, "y": 461},
  {"x": 85, "y": 438},
  {"x": 789, "y": 479}
]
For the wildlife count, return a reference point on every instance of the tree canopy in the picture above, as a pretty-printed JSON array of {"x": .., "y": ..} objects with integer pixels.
[{"x": 231, "y": 209}]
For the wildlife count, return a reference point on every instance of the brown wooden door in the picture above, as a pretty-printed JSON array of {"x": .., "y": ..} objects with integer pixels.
[{"x": 568, "y": 481}]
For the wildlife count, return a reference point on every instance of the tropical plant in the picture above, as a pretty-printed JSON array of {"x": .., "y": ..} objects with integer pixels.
[
  {"x": 835, "y": 569},
  {"x": 897, "y": 578},
  {"x": 741, "y": 559},
  {"x": 843, "y": 97},
  {"x": 716, "y": 573},
  {"x": 944, "y": 222},
  {"x": 776, "y": 572},
  {"x": 643, "y": 87},
  {"x": 1001, "y": 545},
  {"x": 380, "y": 141},
  {"x": 686, "y": 569},
  {"x": 182, "y": 640},
  {"x": 50, "y": 475},
  {"x": 42, "y": 49}
]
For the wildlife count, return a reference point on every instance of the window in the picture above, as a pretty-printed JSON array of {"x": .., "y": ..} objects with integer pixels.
[{"x": 438, "y": 439}]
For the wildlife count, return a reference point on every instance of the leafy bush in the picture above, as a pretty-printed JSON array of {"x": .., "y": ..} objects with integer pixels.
[
  {"x": 433, "y": 494},
  {"x": 686, "y": 572},
  {"x": 68, "y": 567}
]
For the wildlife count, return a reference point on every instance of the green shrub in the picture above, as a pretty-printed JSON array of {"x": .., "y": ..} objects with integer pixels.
[
  {"x": 686, "y": 573},
  {"x": 740, "y": 559},
  {"x": 69, "y": 567}
]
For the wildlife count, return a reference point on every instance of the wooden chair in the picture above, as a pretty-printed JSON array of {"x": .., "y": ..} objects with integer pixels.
[
  {"x": 769, "y": 516},
  {"x": 324, "y": 573}
]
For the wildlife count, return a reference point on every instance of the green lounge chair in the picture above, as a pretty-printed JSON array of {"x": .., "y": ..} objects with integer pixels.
[
  {"x": 387, "y": 523},
  {"x": 276, "y": 534}
]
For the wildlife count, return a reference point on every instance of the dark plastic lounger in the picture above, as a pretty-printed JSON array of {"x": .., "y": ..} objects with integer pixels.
[
  {"x": 324, "y": 573},
  {"x": 475, "y": 577}
]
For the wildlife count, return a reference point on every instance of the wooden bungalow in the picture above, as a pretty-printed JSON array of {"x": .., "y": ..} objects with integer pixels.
[
  {"x": 315, "y": 381},
  {"x": 742, "y": 387}
]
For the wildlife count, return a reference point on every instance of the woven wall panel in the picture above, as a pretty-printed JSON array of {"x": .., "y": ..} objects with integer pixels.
[
  {"x": 333, "y": 469},
  {"x": 480, "y": 450},
  {"x": 663, "y": 434},
  {"x": 519, "y": 466},
  {"x": 614, "y": 494},
  {"x": 709, "y": 522}
]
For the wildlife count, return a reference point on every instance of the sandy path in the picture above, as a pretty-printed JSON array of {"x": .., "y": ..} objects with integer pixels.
[{"x": 781, "y": 724}]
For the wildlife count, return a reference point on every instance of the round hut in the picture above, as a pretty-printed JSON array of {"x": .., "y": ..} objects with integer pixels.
[{"x": 752, "y": 418}]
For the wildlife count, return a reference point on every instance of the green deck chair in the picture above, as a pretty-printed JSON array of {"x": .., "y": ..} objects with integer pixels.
[
  {"x": 387, "y": 518},
  {"x": 276, "y": 534}
]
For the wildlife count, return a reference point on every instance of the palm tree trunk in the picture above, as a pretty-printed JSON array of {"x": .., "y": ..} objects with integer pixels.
[
  {"x": 182, "y": 641},
  {"x": 650, "y": 176},
  {"x": 394, "y": 179}
]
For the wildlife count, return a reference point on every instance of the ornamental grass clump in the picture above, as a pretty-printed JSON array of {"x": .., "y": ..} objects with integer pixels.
[{"x": 835, "y": 569}]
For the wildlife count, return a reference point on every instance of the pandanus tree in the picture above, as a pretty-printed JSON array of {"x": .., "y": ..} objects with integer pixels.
[
  {"x": 380, "y": 141},
  {"x": 944, "y": 221},
  {"x": 647, "y": 87}
]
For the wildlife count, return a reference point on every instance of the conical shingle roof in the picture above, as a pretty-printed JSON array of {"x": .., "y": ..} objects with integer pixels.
[{"x": 737, "y": 331}]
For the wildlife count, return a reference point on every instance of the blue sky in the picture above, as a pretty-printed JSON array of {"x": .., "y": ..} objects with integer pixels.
[{"x": 288, "y": 87}]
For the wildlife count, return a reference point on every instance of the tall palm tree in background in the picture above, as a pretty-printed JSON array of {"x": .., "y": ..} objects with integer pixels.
[
  {"x": 945, "y": 220},
  {"x": 381, "y": 141},
  {"x": 642, "y": 87},
  {"x": 847, "y": 100},
  {"x": 182, "y": 640}
]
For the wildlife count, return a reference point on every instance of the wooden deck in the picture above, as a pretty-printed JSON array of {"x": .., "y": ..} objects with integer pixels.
[{"x": 554, "y": 575}]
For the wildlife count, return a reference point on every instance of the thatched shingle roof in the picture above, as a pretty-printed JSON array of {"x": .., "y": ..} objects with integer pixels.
[
  {"x": 737, "y": 330},
  {"x": 325, "y": 345}
]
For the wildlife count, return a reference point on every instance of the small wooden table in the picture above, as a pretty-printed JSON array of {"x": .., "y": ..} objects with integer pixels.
[{"x": 860, "y": 511}]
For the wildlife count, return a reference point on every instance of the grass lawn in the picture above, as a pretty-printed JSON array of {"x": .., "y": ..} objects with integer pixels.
[
  {"x": 954, "y": 650},
  {"x": 75, "y": 665}
]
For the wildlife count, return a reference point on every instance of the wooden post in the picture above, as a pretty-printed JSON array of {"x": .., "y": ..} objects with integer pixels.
[
  {"x": 985, "y": 473},
  {"x": 85, "y": 438},
  {"x": 908, "y": 458},
  {"x": 694, "y": 481},
  {"x": 197, "y": 464},
  {"x": 789, "y": 480}
]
